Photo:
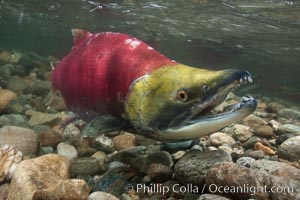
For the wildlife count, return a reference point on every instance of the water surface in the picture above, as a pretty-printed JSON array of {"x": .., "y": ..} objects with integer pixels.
[{"x": 260, "y": 36}]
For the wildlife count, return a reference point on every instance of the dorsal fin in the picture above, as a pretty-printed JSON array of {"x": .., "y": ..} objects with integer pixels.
[{"x": 79, "y": 35}]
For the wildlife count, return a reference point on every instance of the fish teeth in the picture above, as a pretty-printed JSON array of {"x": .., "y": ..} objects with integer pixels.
[{"x": 250, "y": 79}]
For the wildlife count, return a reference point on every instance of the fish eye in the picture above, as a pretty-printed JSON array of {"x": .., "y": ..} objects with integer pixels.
[
  {"x": 182, "y": 96},
  {"x": 205, "y": 88}
]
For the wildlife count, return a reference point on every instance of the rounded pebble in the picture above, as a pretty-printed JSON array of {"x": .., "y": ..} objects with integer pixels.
[
  {"x": 6, "y": 96},
  {"x": 219, "y": 138},
  {"x": 23, "y": 139},
  {"x": 101, "y": 196},
  {"x": 290, "y": 149},
  {"x": 241, "y": 132},
  {"x": 67, "y": 151}
]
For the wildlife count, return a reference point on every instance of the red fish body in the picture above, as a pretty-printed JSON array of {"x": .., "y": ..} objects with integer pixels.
[
  {"x": 118, "y": 75},
  {"x": 97, "y": 73}
]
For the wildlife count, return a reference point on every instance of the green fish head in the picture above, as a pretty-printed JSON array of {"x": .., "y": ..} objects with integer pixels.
[{"x": 171, "y": 103}]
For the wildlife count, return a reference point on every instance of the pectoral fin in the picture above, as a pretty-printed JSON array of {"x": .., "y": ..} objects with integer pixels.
[{"x": 103, "y": 124}]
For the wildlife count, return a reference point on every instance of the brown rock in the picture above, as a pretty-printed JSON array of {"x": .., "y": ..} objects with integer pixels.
[
  {"x": 264, "y": 131},
  {"x": 23, "y": 139},
  {"x": 75, "y": 189},
  {"x": 51, "y": 138},
  {"x": 5, "y": 97},
  {"x": 159, "y": 172},
  {"x": 124, "y": 141},
  {"x": 46, "y": 177},
  {"x": 4, "y": 191},
  {"x": 261, "y": 105},
  {"x": 253, "y": 121},
  {"x": 274, "y": 107},
  {"x": 8, "y": 57},
  {"x": 265, "y": 149},
  {"x": 219, "y": 138}
]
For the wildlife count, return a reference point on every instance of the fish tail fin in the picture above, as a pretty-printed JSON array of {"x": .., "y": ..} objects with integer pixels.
[{"x": 79, "y": 35}]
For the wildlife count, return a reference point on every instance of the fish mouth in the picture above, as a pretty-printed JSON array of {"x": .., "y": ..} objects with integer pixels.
[{"x": 202, "y": 122}]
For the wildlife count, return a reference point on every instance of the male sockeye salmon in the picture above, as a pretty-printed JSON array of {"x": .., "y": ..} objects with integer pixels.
[{"x": 118, "y": 75}]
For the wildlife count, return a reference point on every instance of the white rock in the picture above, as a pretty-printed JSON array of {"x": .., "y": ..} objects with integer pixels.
[
  {"x": 241, "y": 132},
  {"x": 219, "y": 138},
  {"x": 66, "y": 150},
  {"x": 102, "y": 196},
  {"x": 71, "y": 131}
]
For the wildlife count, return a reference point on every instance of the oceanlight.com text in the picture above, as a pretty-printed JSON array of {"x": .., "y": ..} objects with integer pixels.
[{"x": 212, "y": 188}]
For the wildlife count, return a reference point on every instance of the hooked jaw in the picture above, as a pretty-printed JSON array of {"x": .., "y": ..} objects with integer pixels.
[{"x": 200, "y": 123}]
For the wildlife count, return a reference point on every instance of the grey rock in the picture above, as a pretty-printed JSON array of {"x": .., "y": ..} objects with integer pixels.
[
  {"x": 250, "y": 143},
  {"x": 245, "y": 161},
  {"x": 17, "y": 106},
  {"x": 197, "y": 147},
  {"x": 45, "y": 150},
  {"x": 193, "y": 166},
  {"x": 281, "y": 138},
  {"x": 117, "y": 166},
  {"x": 13, "y": 120},
  {"x": 41, "y": 128},
  {"x": 17, "y": 84},
  {"x": 290, "y": 149},
  {"x": 241, "y": 132},
  {"x": 6, "y": 71},
  {"x": 212, "y": 197},
  {"x": 39, "y": 88},
  {"x": 23, "y": 139},
  {"x": 19, "y": 70},
  {"x": 235, "y": 176},
  {"x": 290, "y": 113},
  {"x": 85, "y": 166},
  {"x": 66, "y": 150},
  {"x": 274, "y": 168},
  {"x": 102, "y": 196},
  {"x": 141, "y": 157},
  {"x": 226, "y": 148},
  {"x": 219, "y": 138},
  {"x": 289, "y": 129},
  {"x": 4, "y": 188},
  {"x": 103, "y": 143},
  {"x": 112, "y": 183},
  {"x": 257, "y": 154}
]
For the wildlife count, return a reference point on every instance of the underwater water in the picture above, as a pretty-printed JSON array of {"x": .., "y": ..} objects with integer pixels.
[{"x": 262, "y": 37}]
